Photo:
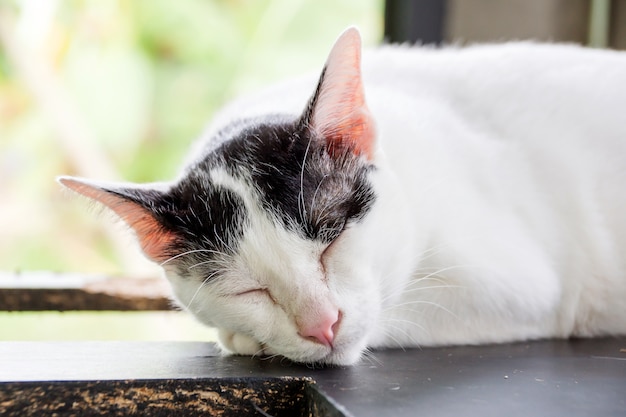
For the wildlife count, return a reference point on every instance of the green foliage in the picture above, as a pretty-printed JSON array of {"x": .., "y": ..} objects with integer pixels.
[{"x": 142, "y": 79}]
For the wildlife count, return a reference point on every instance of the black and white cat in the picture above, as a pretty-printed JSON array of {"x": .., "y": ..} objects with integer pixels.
[{"x": 433, "y": 197}]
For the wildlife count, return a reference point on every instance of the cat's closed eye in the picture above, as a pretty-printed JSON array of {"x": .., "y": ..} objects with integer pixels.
[
  {"x": 256, "y": 294},
  {"x": 254, "y": 291}
]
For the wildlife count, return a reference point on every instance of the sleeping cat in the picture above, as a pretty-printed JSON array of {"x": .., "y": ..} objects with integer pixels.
[{"x": 423, "y": 197}]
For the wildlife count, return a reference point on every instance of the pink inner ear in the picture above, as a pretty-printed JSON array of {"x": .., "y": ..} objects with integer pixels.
[
  {"x": 153, "y": 240},
  {"x": 341, "y": 114}
]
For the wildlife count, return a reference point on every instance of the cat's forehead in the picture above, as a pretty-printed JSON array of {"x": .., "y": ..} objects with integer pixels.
[
  {"x": 240, "y": 140},
  {"x": 251, "y": 144},
  {"x": 298, "y": 179}
]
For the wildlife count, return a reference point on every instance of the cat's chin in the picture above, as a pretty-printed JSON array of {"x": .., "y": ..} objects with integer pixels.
[
  {"x": 345, "y": 355},
  {"x": 239, "y": 344},
  {"x": 334, "y": 358},
  {"x": 343, "y": 358}
]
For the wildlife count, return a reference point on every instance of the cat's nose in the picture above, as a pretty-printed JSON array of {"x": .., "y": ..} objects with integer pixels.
[{"x": 323, "y": 329}]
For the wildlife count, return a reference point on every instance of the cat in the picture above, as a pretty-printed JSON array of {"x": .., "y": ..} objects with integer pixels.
[{"x": 423, "y": 197}]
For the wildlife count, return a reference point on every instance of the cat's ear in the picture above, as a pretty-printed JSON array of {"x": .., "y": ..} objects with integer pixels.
[
  {"x": 337, "y": 111},
  {"x": 136, "y": 206}
]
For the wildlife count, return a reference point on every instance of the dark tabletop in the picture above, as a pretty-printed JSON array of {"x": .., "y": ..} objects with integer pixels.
[{"x": 584, "y": 377}]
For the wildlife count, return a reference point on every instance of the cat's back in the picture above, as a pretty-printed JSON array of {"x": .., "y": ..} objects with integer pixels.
[
  {"x": 531, "y": 131},
  {"x": 480, "y": 80},
  {"x": 557, "y": 103},
  {"x": 512, "y": 68},
  {"x": 507, "y": 86}
]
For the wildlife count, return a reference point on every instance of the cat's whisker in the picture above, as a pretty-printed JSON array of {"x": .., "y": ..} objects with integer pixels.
[
  {"x": 429, "y": 276},
  {"x": 436, "y": 249},
  {"x": 369, "y": 355},
  {"x": 220, "y": 263},
  {"x": 188, "y": 253},
  {"x": 405, "y": 321},
  {"x": 432, "y": 287},
  {"x": 420, "y": 302},
  {"x": 403, "y": 331},
  {"x": 301, "y": 202},
  {"x": 448, "y": 268},
  {"x": 269, "y": 357},
  {"x": 393, "y": 288},
  {"x": 427, "y": 253},
  {"x": 207, "y": 279},
  {"x": 382, "y": 326},
  {"x": 396, "y": 340},
  {"x": 316, "y": 191},
  {"x": 322, "y": 213},
  {"x": 426, "y": 274},
  {"x": 227, "y": 246},
  {"x": 259, "y": 353},
  {"x": 426, "y": 271}
]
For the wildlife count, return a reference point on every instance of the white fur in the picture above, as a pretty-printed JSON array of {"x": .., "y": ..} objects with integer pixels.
[{"x": 500, "y": 211}]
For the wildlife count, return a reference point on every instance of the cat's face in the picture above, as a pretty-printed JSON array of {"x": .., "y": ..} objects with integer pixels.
[
  {"x": 282, "y": 215},
  {"x": 265, "y": 234}
]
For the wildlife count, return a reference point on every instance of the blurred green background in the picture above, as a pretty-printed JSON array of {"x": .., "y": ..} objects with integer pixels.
[
  {"x": 118, "y": 90},
  {"x": 114, "y": 89}
]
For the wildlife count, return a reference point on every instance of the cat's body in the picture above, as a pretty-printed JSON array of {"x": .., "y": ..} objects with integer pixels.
[{"x": 470, "y": 196}]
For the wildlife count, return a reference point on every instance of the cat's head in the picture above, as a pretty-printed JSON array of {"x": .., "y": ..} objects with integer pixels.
[{"x": 265, "y": 234}]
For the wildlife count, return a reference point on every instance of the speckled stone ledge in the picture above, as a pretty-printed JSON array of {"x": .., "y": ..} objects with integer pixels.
[{"x": 275, "y": 397}]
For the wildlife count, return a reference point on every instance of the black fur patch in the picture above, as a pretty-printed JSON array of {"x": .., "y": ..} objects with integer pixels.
[
  {"x": 313, "y": 190},
  {"x": 212, "y": 217},
  {"x": 208, "y": 221}
]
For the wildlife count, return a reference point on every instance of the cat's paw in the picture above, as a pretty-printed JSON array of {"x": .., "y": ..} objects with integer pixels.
[{"x": 239, "y": 343}]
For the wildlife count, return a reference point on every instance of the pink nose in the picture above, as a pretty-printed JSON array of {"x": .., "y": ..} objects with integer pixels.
[{"x": 323, "y": 329}]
